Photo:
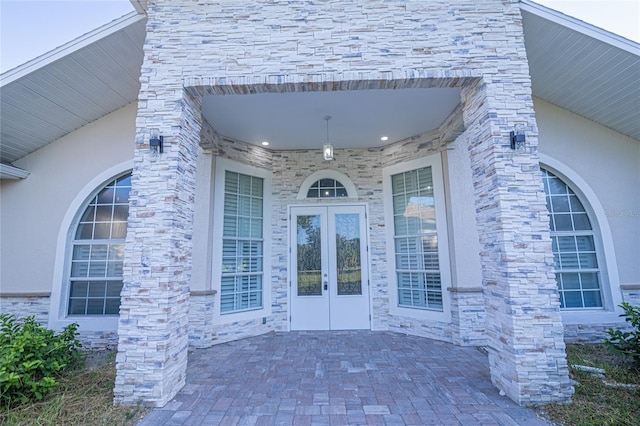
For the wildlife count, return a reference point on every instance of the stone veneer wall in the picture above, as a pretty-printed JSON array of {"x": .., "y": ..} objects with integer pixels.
[
  {"x": 631, "y": 294},
  {"x": 201, "y": 305},
  {"x": 468, "y": 319},
  {"x": 37, "y": 306},
  {"x": 596, "y": 333},
  {"x": 364, "y": 168},
  {"x": 235, "y": 46},
  {"x": 154, "y": 312},
  {"x": 26, "y": 305},
  {"x": 523, "y": 322}
]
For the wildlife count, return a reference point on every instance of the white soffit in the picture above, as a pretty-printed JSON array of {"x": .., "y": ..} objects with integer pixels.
[
  {"x": 71, "y": 86},
  {"x": 359, "y": 118},
  {"x": 583, "y": 69}
]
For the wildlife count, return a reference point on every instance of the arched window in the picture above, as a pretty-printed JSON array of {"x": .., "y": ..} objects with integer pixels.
[
  {"x": 97, "y": 251},
  {"x": 327, "y": 183},
  {"x": 327, "y": 188},
  {"x": 574, "y": 246}
]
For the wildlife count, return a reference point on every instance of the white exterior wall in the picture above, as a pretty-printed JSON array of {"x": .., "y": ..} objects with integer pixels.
[
  {"x": 603, "y": 167},
  {"x": 37, "y": 211}
]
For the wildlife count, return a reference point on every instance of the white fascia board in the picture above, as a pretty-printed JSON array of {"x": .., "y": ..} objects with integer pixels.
[
  {"x": 11, "y": 172},
  {"x": 140, "y": 6},
  {"x": 581, "y": 26},
  {"x": 70, "y": 47}
]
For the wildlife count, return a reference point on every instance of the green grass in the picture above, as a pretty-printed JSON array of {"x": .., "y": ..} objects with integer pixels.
[
  {"x": 594, "y": 403},
  {"x": 84, "y": 397}
]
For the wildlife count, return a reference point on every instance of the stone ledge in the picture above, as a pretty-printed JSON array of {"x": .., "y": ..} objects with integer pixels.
[
  {"x": 203, "y": 293},
  {"x": 16, "y": 295},
  {"x": 629, "y": 286},
  {"x": 464, "y": 289}
]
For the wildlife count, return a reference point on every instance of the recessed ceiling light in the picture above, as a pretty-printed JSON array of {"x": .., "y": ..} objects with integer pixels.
[
  {"x": 265, "y": 143},
  {"x": 384, "y": 138}
]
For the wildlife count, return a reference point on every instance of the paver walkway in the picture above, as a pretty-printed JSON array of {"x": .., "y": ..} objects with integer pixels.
[{"x": 339, "y": 378}]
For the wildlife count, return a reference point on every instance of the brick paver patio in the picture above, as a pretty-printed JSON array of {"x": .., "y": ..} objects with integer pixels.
[{"x": 339, "y": 378}]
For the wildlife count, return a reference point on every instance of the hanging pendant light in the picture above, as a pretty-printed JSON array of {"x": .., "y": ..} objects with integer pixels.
[{"x": 327, "y": 149}]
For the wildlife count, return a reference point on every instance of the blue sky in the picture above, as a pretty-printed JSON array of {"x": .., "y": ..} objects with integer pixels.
[{"x": 29, "y": 28}]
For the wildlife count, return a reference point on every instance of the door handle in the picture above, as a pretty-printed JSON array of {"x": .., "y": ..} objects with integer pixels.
[{"x": 326, "y": 285}]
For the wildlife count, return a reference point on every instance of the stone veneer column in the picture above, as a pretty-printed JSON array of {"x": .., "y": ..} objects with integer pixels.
[
  {"x": 153, "y": 328},
  {"x": 523, "y": 323}
]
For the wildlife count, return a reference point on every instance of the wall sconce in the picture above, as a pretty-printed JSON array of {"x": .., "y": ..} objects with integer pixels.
[
  {"x": 327, "y": 149},
  {"x": 156, "y": 144},
  {"x": 518, "y": 138}
]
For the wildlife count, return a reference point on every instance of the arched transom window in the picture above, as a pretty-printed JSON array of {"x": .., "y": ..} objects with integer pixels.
[
  {"x": 574, "y": 246},
  {"x": 95, "y": 275},
  {"x": 327, "y": 188},
  {"x": 327, "y": 183}
]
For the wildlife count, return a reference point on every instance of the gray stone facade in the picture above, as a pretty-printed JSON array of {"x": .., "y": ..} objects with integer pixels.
[
  {"x": 38, "y": 306},
  {"x": 26, "y": 305},
  {"x": 194, "y": 50}
]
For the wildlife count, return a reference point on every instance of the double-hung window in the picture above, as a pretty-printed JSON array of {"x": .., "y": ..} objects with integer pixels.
[
  {"x": 242, "y": 286},
  {"x": 417, "y": 264}
]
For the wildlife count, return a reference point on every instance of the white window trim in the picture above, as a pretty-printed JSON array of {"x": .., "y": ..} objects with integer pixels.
[
  {"x": 58, "y": 317},
  {"x": 222, "y": 165},
  {"x": 435, "y": 162},
  {"x": 609, "y": 278},
  {"x": 352, "y": 194}
]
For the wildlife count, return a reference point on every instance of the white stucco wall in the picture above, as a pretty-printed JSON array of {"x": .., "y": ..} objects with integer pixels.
[
  {"x": 603, "y": 167},
  {"x": 33, "y": 209},
  {"x": 610, "y": 164},
  {"x": 463, "y": 235}
]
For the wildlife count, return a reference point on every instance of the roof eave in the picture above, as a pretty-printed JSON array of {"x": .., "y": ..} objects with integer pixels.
[
  {"x": 140, "y": 6},
  {"x": 68, "y": 48},
  {"x": 581, "y": 26}
]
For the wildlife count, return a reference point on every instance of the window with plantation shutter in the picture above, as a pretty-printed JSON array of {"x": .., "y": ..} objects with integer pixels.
[
  {"x": 416, "y": 240},
  {"x": 242, "y": 243}
]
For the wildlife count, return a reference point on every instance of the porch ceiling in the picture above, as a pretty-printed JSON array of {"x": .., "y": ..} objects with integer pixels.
[{"x": 359, "y": 118}]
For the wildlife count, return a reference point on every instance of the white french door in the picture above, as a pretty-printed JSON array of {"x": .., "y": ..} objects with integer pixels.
[{"x": 329, "y": 273}]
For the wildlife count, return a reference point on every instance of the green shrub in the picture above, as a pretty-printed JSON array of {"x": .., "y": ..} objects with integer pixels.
[
  {"x": 627, "y": 342},
  {"x": 31, "y": 356}
]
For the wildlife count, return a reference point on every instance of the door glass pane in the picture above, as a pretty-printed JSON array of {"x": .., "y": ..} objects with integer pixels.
[
  {"x": 349, "y": 272},
  {"x": 309, "y": 256}
]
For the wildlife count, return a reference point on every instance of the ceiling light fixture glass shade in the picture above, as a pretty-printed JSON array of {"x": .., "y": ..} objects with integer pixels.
[
  {"x": 327, "y": 152},
  {"x": 327, "y": 149}
]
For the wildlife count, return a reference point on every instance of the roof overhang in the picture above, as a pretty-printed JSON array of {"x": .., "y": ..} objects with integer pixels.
[
  {"x": 71, "y": 86},
  {"x": 139, "y": 5},
  {"x": 583, "y": 69},
  {"x": 574, "y": 65}
]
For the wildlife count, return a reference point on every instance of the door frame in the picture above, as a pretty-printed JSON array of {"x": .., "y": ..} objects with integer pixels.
[{"x": 292, "y": 231}]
